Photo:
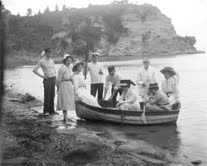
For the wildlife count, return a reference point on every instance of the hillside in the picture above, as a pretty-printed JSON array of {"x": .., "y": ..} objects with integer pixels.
[{"x": 116, "y": 29}]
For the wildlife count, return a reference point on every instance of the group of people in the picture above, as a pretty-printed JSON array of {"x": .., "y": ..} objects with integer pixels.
[{"x": 71, "y": 85}]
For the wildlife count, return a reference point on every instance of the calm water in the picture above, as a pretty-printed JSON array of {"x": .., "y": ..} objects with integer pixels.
[{"x": 186, "y": 139}]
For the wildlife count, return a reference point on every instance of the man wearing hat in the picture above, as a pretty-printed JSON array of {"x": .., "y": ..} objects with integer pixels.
[
  {"x": 159, "y": 100},
  {"x": 95, "y": 69},
  {"x": 170, "y": 84},
  {"x": 146, "y": 75},
  {"x": 49, "y": 79},
  {"x": 128, "y": 100}
]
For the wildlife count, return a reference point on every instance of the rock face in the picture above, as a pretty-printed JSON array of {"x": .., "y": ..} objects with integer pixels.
[{"x": 148, "y": 31}]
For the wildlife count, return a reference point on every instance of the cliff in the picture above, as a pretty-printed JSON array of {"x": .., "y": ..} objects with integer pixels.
[
  {"x": 149, "y": 32},
  {"x": 113, "y": 30}
]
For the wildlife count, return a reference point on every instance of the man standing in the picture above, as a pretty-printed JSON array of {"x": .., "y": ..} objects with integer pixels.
[
  {"x": 145, "y": 76},
  {"x": 95, "y": 69},
  {"x": 49, "y": 78}
]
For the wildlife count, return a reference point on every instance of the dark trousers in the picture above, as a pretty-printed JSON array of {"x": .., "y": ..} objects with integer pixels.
[
  {"x": 116, "y": 93},
  {"x": 49, "y": 95},
  {"x": 97, "y": 87}
]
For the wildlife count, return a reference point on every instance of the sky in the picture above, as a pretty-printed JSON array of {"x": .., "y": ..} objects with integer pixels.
[{"x": 189, "y": 17}]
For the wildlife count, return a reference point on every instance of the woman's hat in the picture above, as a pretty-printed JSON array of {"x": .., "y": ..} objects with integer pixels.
[
  {"x": 126, "y": 83},
  {"x": 170, "y": 70},
  {"x": 95, "y": 54},
  {"x": 76, "y": 65},
  {"x": 67, "y": 55},
  {"x": 153, "y": 85}
]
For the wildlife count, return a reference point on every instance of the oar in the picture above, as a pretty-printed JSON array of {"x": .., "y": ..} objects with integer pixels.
[{"x": 143, "y": 117}]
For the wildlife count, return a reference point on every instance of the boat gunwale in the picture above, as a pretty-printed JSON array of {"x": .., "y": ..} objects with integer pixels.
[{"x": 126, "y": 113}]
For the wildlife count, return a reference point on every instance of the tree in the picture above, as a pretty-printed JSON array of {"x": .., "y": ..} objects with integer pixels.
[
  {"x": 47, "y": 10},
  {"x": 29, "y": 12},
  {"x": 39, "y": 12},
  {"x": 64, "y": 8},
  {"x": 56, "y": 8}
]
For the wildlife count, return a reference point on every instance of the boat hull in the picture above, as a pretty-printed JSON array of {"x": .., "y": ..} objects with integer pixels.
[{"x": 85, "y": 111}]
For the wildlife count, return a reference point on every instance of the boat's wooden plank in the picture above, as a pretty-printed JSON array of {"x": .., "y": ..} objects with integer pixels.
[{"x": 87, "y": 113}]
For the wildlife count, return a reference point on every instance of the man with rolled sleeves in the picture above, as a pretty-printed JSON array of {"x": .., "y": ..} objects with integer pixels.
[
  {"x": 145, "y": 76},
  {"x": 49, "y": 78}
]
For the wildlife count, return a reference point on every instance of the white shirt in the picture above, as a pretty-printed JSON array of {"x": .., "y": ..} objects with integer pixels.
[
  {"x": 94, "y": 69},
  {"x": 131, "y": 97},
  {"x": 146, "y": 76},
  {"x": 48, "y": 67},
  {"x": 114, "y": 80},
  {"x": 171, "y": 86}
]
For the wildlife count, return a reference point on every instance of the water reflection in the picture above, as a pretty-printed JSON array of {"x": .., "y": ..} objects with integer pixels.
[
  {"x": 164, "y": 136},
  {"x": 188, "y": 137}
]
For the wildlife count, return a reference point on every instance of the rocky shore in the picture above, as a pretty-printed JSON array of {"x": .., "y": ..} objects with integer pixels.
[{"x": 28, "y": 138}]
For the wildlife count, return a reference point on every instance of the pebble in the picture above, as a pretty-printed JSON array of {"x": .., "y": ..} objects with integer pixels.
[{"x": 196, "y": 162}]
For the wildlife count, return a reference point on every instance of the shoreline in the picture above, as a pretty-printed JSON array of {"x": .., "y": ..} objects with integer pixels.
[
  {"x": 24, "y": 133},
  {"x": 15, "y": 61}
]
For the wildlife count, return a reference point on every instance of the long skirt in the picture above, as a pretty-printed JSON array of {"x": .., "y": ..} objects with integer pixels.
[
  {"x": 85, "y": 96},
  {"x": 66, "y": 98}
]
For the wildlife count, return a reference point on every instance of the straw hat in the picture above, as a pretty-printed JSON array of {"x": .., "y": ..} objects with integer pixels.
[
  {"x": 76, "y": 65},
  {"x": 170, "y": 70},
  {"x": 95, "y": 54}
]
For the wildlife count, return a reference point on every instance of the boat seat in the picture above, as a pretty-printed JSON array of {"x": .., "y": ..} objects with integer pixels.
[{"x": 107, "y": 103}]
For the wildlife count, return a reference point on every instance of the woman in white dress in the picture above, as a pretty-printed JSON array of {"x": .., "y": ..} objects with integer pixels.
[
  {"x": 128, "y": 100},
  {"x": 65, "y": 99},
  {"x": 80, "y": 86},
  {"x": 170, "y": 84}
]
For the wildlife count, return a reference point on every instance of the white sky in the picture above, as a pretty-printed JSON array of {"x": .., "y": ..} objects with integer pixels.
[{"x": 189, "y": 17}]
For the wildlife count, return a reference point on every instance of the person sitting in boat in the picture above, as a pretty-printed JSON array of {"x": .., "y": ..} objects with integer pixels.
[
  {"x": 80, "y": 86},
  {"x": 113, "y": 78},
  {"x": 128, "y": 100},
  {"x": 170, "y": 84},
  {"x": 158, "y": 101}
]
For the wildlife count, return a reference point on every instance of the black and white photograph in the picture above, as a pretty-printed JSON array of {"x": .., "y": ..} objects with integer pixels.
[{"x": 103, "y": 83}]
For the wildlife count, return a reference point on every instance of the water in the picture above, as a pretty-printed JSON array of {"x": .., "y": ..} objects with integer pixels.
[{"x": 186, "y": 139}]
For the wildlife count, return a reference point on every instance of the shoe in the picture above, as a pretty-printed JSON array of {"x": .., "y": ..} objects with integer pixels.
[{"x": 54, "y": 113}]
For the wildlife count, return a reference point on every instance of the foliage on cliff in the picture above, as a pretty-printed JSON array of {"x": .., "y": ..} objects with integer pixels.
[{"x": 102, "y": 27}]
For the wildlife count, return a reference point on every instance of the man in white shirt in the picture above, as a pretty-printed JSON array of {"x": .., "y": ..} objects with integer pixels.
[
  {"x": 49, "y": 78},
  {"x": 95, "y": 69},
  {"x": 145, "y": 76},
  {"x": 113, "y": 78}
]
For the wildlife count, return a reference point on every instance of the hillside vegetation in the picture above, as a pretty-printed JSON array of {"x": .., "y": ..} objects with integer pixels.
[{"x": 113, "y": 30}]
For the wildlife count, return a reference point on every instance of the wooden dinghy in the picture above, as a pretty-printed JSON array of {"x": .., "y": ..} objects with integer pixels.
[{"x": 88, "y": 112}]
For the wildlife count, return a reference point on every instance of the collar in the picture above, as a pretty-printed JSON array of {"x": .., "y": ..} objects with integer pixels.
[{"x": 47, "y": 58}]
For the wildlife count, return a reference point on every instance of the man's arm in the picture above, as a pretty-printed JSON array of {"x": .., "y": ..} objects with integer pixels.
[
  {"x": 106, "y": 87},
  {"x": 154, "y": 76},
  {"x": 35, "y": 70},
  {"x": 139, "y": 82}
]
